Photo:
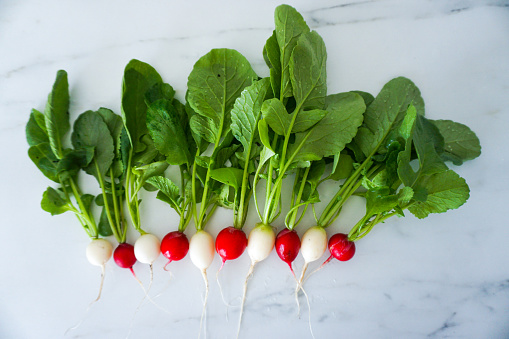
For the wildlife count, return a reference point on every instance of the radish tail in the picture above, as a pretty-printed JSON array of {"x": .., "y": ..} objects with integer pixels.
[
  {"x": 244, "y": 292},
  {"x": 78, "y": 324},
  {"x": 164, "y": 268},
  {"x": 299, "y": 286},
  {"x": 221, "y": 291},
  {"x": 318, "y": 269},
  {"x": 146, "y": 292},
  {"x": 204, "y": 309}
]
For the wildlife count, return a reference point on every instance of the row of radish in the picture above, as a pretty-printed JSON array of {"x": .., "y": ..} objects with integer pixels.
[{"x": 234, "y": 130}]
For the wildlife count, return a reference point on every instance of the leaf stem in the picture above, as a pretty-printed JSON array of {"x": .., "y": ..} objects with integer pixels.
[{"x": 117, "y": 232}]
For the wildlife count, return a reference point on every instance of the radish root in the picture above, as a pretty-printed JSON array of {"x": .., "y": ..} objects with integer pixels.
[
  {"x": 204, "y": 309},
  {"x": 299, "y": 287},
  {"x": 244, "y": 292},
  {"x": 72, "y": 328}
]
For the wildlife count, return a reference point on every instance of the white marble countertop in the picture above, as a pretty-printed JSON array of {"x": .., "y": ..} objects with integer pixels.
[{"x": 446, "y": 276}]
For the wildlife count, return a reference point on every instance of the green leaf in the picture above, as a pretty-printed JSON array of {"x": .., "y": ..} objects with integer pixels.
[
  {"x": 147, "y": 171},
  {"x": 344, "y": 167},
  {"x": 90, "y": 131},
  {"x": 202, "y": 161},
  {"x": 429, "y": 161},
  {"x": 380, "y": 200},
  {"x": 289, "y": 27},
  {"x": 308, "y": 73},
  {"x": 168, "y": 191},
  {"x": 43, "y": 157},
  {"x": 272, "y": 57},
  {"x": 54, "y": 201},
  {"x": 307, "y": 119},
  {"x": 245, "y": 115},
  {"x": 460, "y": 142},
  {"x": 229, "y": 176},
  {"x": 163, "y": 123},
  {"x": 35, "y": 133},
  {"x": 445, "y": 191},
  {"x": 276, "y": 116},
  {"x": 215, "y": 82},
  {"x": 263, "y": 131},
  {"x": 139, "y": 78},
  {"x": 104, "y": 227},
  {"x": 57, "y": 113},
  {"x": 386, "y": 113},
  {"x": 330, "y": 135},
  {"x": 73, "y": 161},
  {"x": 203, "y": 129},
  {"x": 405, "y": 195}
]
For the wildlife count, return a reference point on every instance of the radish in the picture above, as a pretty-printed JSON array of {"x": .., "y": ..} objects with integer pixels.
[
  {"x": 99, "y": 252},
  {"x": 340, "y": 248},
  {"x": 124, "y": 256},
  {"x": 147, "y": 248},
  {"x": 314, "y": 244},
  {"x": 230, "y": 244},
  {"x": 260, "y": 243},
  {"x": 201, "y": 251},
  {"x": 287, "y": 246},
  {"x": 174, "y": 246}
]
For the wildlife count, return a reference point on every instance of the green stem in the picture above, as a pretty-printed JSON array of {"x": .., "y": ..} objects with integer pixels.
[
  {"x": 292, "y": 223},
  {"x": 240, "y": 214},
  {"x": 277, "y": 185},
  {"x": 114, "y": 195},
  {"x": 107, "y": 204},
  {"x": 84, "y": 212},
  {"x": 193, "y": 189}
]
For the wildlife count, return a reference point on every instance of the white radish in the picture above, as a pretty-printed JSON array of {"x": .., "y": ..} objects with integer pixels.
[
  {"x": 147, "y": 248},
  {"x": 99, "y": 251},
  {"x": 260, "y": 243},
  {"x": 313, "y": 244},
  {"x": 201, "y": 251}
]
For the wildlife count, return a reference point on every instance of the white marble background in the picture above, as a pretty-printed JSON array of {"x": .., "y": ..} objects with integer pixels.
[{"x": 443, "y": 277}]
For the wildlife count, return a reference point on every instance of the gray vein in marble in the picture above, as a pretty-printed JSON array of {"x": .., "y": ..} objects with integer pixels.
[{"x": 448, "y": 323}]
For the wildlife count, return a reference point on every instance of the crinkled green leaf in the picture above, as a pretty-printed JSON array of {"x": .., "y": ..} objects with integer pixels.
[
  {"x": 168, "y": 191},
  {"x": 386, "y": 112},
  {"x": 276, "y": 116},
  {"x": 164, "y": 126},
  {"x": 90, "y": 131},
  {"x": 43, "y": 157},
  {"x": 272, "y": 57},
  {"x": 139, "y": 78},
  {"x": 35, "y": 133},
  {"x": 57, "y": 113},
  {"x": 54, "y": 201},
  {"x": 216, "y": 81},
  {"x": 289, "y": 27},
  {"x": 444, "y": 191},
  {"x": 330, "y": 135},
  {"x": 460, "y": 142},
  {"x": 229, "y": 176},
  {"x": 307, "y": 119},
  {"x": 245, "y": 115},
  {"x": 308, "y": 73},
  {"x": 343, "y": 167},
  {"x": 147, "y": 171},
  {"x": 73, "y": 161}
]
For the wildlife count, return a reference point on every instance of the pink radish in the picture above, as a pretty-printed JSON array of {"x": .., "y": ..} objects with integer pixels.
[
  {"x": 124, "y": 256},
  {"x": 340, "y": 248},
  {"x": 230, "y": 243},
  {"x": 174, "y": 246},
  {"x": 288, "y": 246}
]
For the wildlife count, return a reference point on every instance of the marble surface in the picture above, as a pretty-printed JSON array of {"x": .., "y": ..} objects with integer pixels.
[{"x": 446, "y": 276}]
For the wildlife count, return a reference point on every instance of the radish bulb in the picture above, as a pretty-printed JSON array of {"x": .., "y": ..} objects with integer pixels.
[
  {"x": 259, "y": 245},
  {"x": 98, "y": 253},
  {"x": 201, "y": 251},
  {"x": 147, "y": 248}
]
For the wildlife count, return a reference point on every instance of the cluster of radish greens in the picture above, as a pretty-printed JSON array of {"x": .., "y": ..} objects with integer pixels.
[{"x": 234, "y": 130}]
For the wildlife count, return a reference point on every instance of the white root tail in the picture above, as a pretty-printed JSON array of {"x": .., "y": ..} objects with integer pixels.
[
  {"x": 204, "y": 309},
  {"x": 244, "y": 293}
]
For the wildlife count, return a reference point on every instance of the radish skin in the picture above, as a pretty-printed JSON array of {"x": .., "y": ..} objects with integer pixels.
[
  {"x": 314, "y": 244},
  {"x": 99, "y": 251},
  {"x": 288, "y": 246},
  {"x": 260, "y": 242},
  {"x": 147, "y": 248},
  {"x": 201, "y": 251}
]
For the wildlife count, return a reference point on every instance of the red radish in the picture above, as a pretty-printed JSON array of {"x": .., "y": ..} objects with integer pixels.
[
  {"x": 288, "y": 246},
  {"x": 340, "y": 248},
  {"x": 230, "y": 243},
  {"x": 124, "y": 256},
  {"x": 174, "y": 246}
]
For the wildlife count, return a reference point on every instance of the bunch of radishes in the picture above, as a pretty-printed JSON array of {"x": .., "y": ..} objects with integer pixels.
[{"x": 237, "y": 129}]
